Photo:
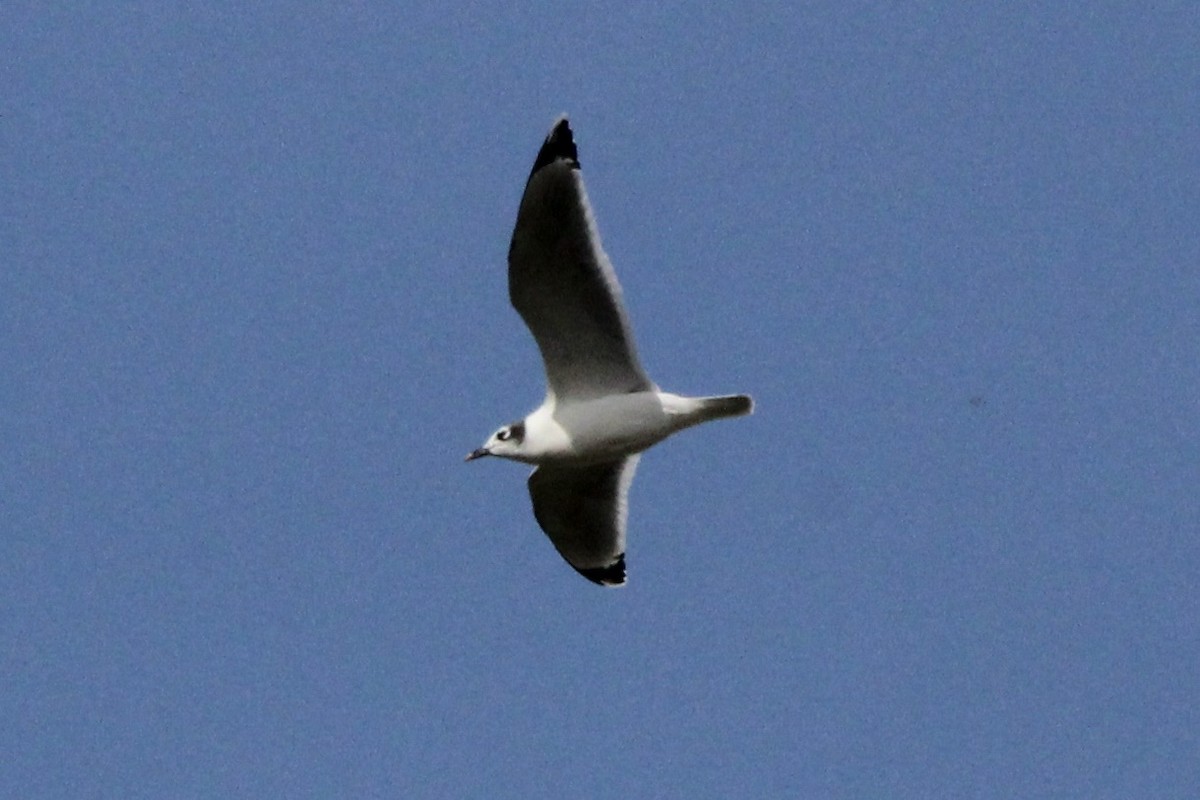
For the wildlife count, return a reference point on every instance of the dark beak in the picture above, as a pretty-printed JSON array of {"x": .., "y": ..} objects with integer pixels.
[{"x": 480, "y": 453}]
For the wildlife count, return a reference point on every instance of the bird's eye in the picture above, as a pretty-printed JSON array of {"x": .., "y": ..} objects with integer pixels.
[{"x": 503, "y": 434}]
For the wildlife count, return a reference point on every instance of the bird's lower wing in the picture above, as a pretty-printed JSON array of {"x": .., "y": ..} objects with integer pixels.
[{"x": 582, "y": 510}]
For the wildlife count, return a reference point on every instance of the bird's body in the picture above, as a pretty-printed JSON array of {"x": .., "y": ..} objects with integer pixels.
[
  {"x": 604, "y": 428},
  {"x": 601, "y": 409}
]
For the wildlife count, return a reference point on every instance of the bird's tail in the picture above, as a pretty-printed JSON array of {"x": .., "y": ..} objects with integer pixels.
[
  {"x": 688, "y": 411},
  {"x": 728, "y": 405}
]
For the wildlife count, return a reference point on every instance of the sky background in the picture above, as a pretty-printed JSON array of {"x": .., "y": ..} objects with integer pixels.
[{"x": 253, "y": 313}]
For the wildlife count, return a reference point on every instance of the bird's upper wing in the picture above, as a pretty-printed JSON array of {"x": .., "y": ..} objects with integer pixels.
[
  {"x": 563, "y": 286},
  {"x": 582, "y": 510}
]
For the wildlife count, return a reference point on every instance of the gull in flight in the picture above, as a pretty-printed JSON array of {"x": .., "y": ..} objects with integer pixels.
[{"x": 601, "y": 409}]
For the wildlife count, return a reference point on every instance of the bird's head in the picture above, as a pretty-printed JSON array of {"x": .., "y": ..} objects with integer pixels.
[{"x": 508, "y": 442}]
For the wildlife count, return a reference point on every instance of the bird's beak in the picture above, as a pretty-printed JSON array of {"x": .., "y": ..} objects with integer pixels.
[{"x": 480, "y": 453}]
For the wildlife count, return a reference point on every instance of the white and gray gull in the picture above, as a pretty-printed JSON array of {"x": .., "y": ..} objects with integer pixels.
[{"x": 601, "y": 409}]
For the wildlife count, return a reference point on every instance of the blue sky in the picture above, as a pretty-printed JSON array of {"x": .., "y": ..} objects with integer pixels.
[{"x": 253, "y": 313}]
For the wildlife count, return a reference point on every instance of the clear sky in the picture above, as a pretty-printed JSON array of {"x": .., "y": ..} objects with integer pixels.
[{"x": 253, "y": 314}]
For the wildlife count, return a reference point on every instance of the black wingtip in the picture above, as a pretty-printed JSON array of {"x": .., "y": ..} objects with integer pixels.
[
  {"x": 559, "y": 144},
  {"x": 612, "y": 575}
]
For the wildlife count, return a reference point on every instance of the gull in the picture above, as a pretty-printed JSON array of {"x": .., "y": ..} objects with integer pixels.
[{"x": 601, "y": 408}]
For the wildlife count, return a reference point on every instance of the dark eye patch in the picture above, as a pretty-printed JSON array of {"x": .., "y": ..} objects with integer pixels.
[{"x": 503, "y": 434}]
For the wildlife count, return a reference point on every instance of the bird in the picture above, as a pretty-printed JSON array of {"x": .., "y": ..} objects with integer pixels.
[{"x": 601, "y": 410}]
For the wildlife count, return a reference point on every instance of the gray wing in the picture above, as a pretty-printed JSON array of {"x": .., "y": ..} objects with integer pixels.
[
  {"x": 562, "y": 284},
  {"x": 582, "y": 510}
]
